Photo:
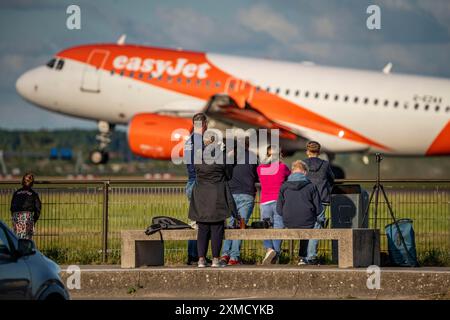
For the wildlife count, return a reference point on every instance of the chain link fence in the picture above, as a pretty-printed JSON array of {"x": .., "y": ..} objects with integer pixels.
[{"x": 81, "y": 220}]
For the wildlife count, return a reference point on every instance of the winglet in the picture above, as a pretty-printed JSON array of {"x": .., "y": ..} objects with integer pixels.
[
  {"x": 121, "y": 40},
  {"x": 387, "y": 68}
]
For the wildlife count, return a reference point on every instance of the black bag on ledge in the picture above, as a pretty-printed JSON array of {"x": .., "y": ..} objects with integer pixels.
[{"x": 163, "y": 222}]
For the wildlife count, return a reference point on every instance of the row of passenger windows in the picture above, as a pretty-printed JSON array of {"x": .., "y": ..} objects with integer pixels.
[
  {"x": 59, "y": 63},
  {"x": 295, "y": 93}
]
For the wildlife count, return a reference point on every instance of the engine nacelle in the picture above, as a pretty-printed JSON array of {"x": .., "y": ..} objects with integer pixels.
[{"x": 158, "y": 136}]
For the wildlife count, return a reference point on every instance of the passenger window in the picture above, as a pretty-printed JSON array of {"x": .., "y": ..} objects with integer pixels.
[
  {"x": 199, "y": 82},
  {"x": 169, "y": 79},
  {"x": 297, "y": 93},
  {"x": 326, "y": 96},
  {"x": 149, "y": 76},
  {"x": 141, "y": 75},
  {"x": 268, "y": 89},
  {"x": 179, "y": 80},
  {"x": 416, "y": 106},
  {"x": 207, "y": 82},
  {"x": 287, "y": 92},
  {"x": 395, "y": 104},
  {"x": 366, "y": 100},
  {"x": 355, "y": 100},
  {"x": 336, "y": 97},
  {"x": 307, "y": 94},
  {"x": 112, "y": 72},
  {"x": 131, "y": 75},
  {"x": 60, "y": 65},
  {"x": 188, "y": 81},
  {"x": 345, "y": 98},
  {"x": 122, "y": 72},
  {"x": 51, "y": 63},
  {"x": 217, "y": 84},
  {"x": 406, "y": 105},
  {"x": 447, "y": 109},
  {"x": 5, "y": 250},
  {"x": 277, "y": 91},
  {"x": 316, "y": 95},
  {"x": 258, "y": 88},
  {"x": 386, "y": 103},
  {"x": 427, "y": 107},
  {"x": 375, "y": 102},
  {"x": 160, "y": 78},
  {"x": 437, "y": 108}
]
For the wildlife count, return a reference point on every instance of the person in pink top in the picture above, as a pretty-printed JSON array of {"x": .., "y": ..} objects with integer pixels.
[{"x": 272, "y": 173}]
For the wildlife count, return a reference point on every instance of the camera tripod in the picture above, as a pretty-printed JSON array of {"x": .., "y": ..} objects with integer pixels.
[{"x": 376, "y": 193}]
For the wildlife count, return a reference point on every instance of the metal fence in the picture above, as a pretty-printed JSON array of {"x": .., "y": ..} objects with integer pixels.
[{"x": 81, "y": 220}]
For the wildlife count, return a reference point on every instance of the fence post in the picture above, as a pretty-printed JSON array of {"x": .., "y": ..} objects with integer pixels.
[{"x": 105, "y": 222}]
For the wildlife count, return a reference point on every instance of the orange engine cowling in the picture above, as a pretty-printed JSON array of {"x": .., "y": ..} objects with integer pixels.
[{"x": 158, "y": 136}]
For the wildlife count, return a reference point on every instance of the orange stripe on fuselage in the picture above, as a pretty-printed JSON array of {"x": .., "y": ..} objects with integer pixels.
[
  {"x": 269, "y": 104},
  {"x": 441, "y": 144}
]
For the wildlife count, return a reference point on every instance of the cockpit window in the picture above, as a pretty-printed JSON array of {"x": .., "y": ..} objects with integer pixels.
[
  {"x": 51, "y": 63},
  {"x": 60, "y": 65}
]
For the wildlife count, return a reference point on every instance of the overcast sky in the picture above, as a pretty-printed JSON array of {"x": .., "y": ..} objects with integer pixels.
[{"x": 415, "y": 37}]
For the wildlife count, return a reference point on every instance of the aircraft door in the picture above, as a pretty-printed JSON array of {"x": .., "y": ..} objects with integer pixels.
[{"x": 90, "y": 81}]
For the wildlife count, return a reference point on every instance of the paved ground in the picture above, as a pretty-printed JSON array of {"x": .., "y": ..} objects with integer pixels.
[{"x": 257, "y": 282}]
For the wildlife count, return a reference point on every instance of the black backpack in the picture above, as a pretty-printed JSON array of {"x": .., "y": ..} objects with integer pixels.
[{"x": 163, "y": 222}]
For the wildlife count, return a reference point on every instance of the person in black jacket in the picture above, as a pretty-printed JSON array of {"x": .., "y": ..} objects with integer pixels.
[
  {"x": 211, "y": 204},
  {"x": 25, "y": 208},
  {"x": 300, "y": 205},
  {"x": 321, "y": 174}
]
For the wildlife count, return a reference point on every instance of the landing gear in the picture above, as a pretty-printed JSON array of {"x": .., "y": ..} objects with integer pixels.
[{"x": 100, "y": 155}]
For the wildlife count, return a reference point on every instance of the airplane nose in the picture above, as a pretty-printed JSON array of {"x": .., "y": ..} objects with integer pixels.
[{"x": 25, "y": 86}]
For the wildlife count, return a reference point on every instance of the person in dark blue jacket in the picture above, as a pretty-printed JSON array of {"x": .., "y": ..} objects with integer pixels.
[
  {"x": 193, "y": 144},
  {"x": 320, "y": 174},
  {"x": 300, "y": 205}
]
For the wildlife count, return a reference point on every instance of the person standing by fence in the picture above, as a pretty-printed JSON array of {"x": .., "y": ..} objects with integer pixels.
[
  {"x": 242, "y": 186},
  {"x": 211, "y": 204},
  {"x": 195, "y": 141},
  {"x": 25, "y": 208},
  {"x": 321, "y": 175},
  {"x": 272, "y": 173}
]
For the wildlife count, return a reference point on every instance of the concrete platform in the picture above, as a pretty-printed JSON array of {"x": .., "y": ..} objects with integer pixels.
[{"x": 258, "y": 282}]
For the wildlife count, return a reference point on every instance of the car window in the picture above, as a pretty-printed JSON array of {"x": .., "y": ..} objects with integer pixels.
[{"x": 5, "y": 248}]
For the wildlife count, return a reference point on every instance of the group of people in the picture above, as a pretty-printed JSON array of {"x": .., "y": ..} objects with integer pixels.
[{"x": 290, "y": 198}]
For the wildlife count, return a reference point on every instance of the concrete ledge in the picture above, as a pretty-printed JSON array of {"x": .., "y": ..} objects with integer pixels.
[
  {"x": 278, "y": 282},
  {"x": 356, "y": 247}
]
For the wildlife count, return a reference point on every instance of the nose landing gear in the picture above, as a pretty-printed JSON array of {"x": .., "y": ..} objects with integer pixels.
[{"x": 100, "y": 155}]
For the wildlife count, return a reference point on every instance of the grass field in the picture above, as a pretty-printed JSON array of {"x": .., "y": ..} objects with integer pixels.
[{"x": 71, "y": 226}]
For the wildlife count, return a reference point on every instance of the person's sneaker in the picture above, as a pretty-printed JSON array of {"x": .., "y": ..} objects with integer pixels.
[
  {"x": 276, "y": 259},
  {"x": 302, "y": 262},
  {"x": 312, "y": 262},
  {"x": 216, "y": 263},
  {"x": 225, "y": 259},
  {"x": 233, "y": 262},
  {"x": 202, "y": 263},
  {"x": 269, "y": 256},
  {"x": 192, "y": 260}
]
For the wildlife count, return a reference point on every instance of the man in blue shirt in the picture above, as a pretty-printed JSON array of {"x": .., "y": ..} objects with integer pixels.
[{"x": 193, "y": 149}]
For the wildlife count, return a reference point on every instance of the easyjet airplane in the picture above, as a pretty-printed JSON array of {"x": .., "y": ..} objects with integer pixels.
[{"x": 155, "y": 91}]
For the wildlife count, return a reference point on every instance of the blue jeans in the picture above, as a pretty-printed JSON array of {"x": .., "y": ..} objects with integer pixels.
[
  {"x": 270, "y": 211},
  {"x": 314, "y": 243},
  {"x": 244, "y": 204},
  {"x": 192, "y": 244}
]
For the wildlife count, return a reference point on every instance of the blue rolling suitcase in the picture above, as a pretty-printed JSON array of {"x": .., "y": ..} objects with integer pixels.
[{"x": 397, "y": 253}]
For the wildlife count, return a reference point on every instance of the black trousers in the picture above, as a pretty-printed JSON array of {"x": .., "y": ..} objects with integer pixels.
[
  {"x": 210, "y": 231},
  {"x": 303, "y": 248}
]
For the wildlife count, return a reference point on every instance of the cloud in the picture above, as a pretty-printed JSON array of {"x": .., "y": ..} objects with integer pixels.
[{"x": 262, "y": 18}]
